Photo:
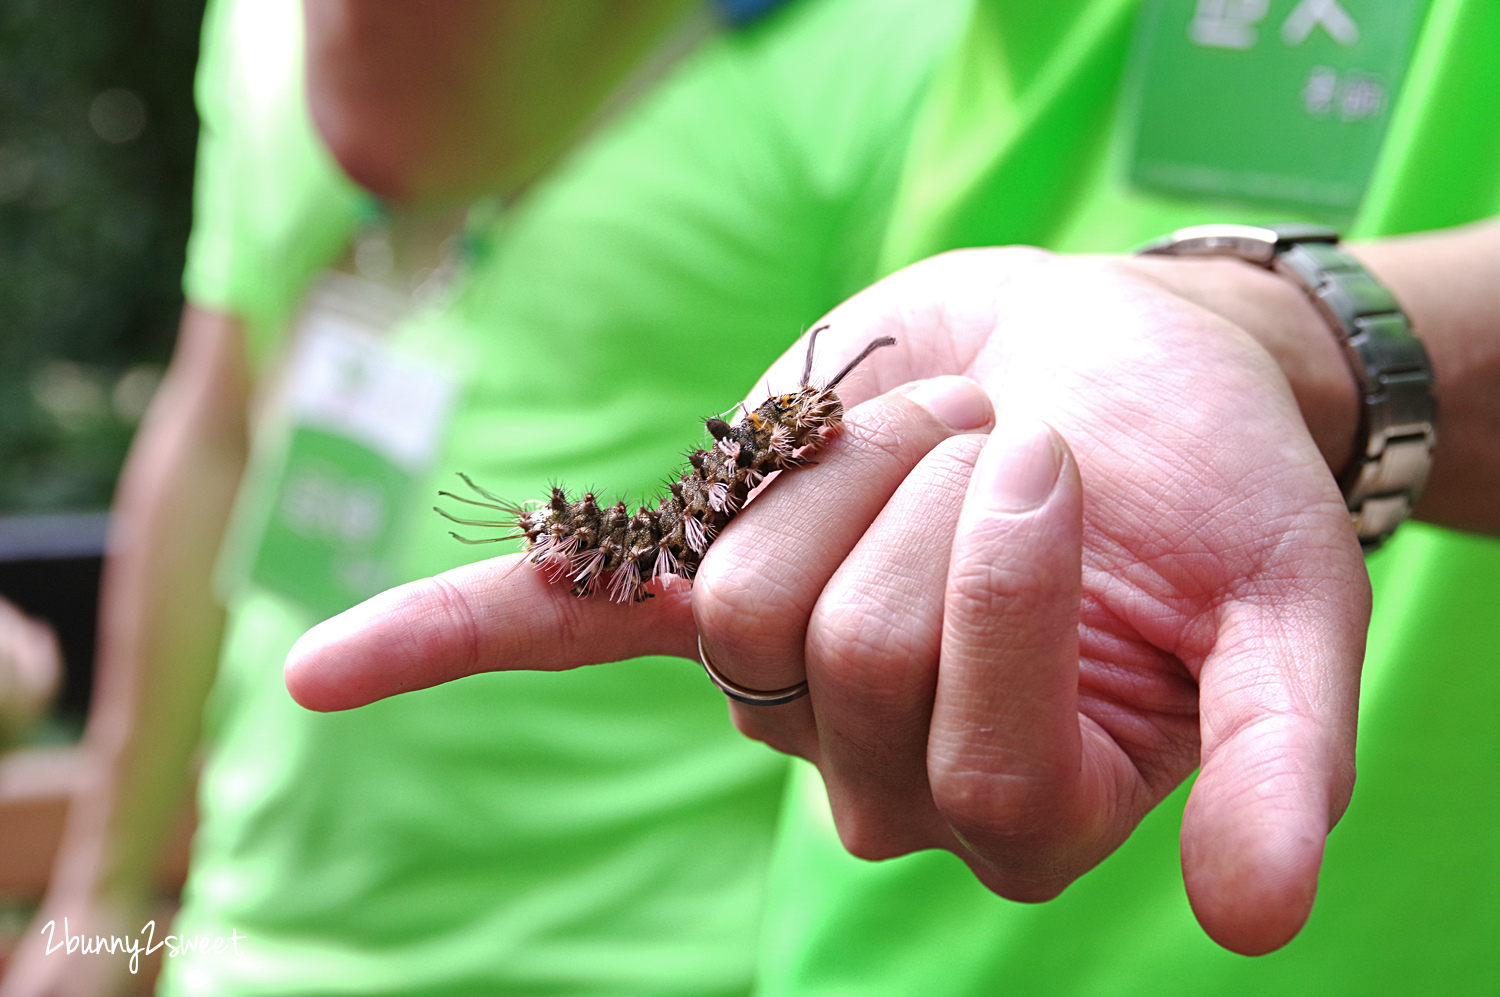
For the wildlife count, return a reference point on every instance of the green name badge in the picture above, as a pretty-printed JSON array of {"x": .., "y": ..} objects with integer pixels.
[
  {"x": 1276, "y": 102},
  {"x": 359, "y": 426}
]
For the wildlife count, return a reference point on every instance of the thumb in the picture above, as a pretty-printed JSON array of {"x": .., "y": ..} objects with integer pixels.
[
  {"x": 494, "y": 615},
  {"x": 1278, "y": 705}
]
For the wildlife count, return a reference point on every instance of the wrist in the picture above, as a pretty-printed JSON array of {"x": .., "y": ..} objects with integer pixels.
[{"x": 1281, "y": 318}]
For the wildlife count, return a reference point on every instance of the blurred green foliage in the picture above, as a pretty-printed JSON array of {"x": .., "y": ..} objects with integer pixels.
[{"x": 97, "y": 132}]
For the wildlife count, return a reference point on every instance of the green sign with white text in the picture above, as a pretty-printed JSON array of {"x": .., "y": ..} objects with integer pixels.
[
  {"x": 354, "y": 426},
  {"x": 1282, "y": 102},
  {"x": 329, "y": 538}
]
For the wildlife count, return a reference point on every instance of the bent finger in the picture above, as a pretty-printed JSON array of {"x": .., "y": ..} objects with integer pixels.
[
  {"x": 1005, "y": 752},
  {"x": 494, "y": 615},
  {"x": 872, "y": 658},
  {"x": 759, "y": 583}
]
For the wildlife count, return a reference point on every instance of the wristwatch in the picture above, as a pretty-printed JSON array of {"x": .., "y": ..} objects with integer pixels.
[{"x": 1398, "y": 411}]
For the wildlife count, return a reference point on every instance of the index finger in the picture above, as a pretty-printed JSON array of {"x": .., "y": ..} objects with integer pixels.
[{"x": 494, "y": 615}]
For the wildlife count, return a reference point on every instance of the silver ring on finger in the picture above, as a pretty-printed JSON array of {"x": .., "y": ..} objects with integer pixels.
[{"x": 750, "y": 697}]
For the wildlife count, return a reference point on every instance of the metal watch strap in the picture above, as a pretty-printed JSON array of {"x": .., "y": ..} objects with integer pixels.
[{"x": 1398, "y": 410}]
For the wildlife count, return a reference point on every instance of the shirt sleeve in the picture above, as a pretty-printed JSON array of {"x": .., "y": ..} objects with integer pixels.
[{"x": 271, "y": 208}]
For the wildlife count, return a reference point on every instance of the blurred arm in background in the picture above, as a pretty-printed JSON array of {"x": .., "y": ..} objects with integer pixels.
[{"x": 159, "y": 643}]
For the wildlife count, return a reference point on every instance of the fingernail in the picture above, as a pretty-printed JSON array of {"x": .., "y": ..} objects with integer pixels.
[
  {"x": 1020, "y": 465},
  {"x": 957, "y": 402}
]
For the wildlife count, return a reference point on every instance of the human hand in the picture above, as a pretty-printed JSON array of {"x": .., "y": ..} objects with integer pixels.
[{"x": 1015, "y": 647}]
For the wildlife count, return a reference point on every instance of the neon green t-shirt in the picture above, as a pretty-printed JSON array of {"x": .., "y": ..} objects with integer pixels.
[
  {"x": 604, "y": 831},
  {"x": 1023, "y": 140}
]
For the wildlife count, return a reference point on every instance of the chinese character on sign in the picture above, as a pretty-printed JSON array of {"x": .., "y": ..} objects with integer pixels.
[
  {"x": 1363, "y": 96},
  {"x": 1310, "y": 14},
  {"x": 1227, "y": 23},
  {"x": 1356, "y": 97},
  {"x": 1318, "y": 93},
  {"x": 1231, "y": 23}
]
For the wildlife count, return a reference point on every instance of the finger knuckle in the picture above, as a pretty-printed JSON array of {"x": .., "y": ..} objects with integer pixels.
[
  {"x": 885, "y": 431},
  {"x": 866, "y": 836},
  {"x": 984, "y": 599},
  {"x": 1025, "y": 889},
  {"x": 463, "y": 625},
  {"x": 996, "y": 812},
  {"x": 986, "y": 594},
  {"x": 776, "y": 736},
  {"x": 739, "y": 609},
  {"x": 985, "y": 582},
  {"x": 862, "y": 659}
]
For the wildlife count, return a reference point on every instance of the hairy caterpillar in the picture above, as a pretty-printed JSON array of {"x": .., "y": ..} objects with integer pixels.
[{"x": 586, "y": 543}]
